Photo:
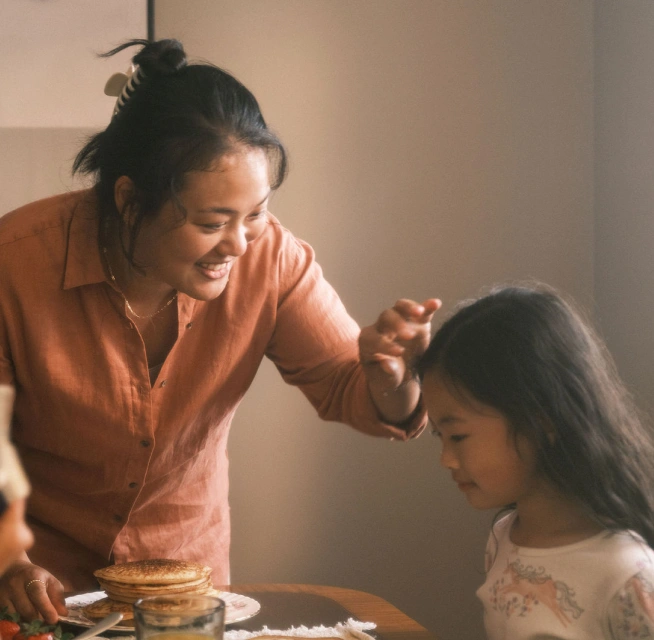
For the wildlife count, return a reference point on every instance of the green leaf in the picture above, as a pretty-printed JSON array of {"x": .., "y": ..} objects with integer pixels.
[
  {"x": 5, "y": 615},
  {"x": 34, "y": 628}
]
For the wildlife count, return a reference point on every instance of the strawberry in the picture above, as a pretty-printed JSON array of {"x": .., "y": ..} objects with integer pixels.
[
  {"x": 37, "y": 630},
  {"x": 9, "y": 626}
]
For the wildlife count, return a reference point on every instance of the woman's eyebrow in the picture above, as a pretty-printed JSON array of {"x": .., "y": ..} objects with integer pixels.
[{"x": 228, "y": 210}]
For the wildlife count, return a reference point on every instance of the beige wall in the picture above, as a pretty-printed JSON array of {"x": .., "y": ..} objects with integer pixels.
[
  {"x": 50, "y": 73},
  {"x": 52, "y": 81},
  {"x": 36, "y": 163},
  {"x": 624, "y": 187},
  {"x": 436, "y": 147}
]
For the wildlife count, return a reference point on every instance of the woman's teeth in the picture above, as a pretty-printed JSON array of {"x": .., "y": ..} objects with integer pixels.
[
  {"x": 215, "y": 269},
  {"x": 211, "y": 267}
]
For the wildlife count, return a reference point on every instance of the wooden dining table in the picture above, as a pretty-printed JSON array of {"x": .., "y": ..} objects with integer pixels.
[{"x": 292, "y": 605}]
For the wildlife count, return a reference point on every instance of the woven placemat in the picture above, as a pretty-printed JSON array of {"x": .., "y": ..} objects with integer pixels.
[{"x": 350, "y": 630}]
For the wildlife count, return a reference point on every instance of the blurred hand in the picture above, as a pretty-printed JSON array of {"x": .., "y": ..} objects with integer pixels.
[
  {"x": 32, "y": 592},
  {"x": 15, "y": 537}
]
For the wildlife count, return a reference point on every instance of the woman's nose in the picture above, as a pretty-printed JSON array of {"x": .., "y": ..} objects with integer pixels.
[{"x": 235, "y": 240}]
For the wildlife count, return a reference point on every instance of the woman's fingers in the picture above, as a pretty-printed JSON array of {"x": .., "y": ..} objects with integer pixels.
[
  {"x": 23, "y": 602},
  {"x": 407, "y": 318},
  {"x": 405, "y": 325},
  {"x": 33, "y": 593},
  {"x": 431, "y": 306},
  {"x": 375, "y": 347},
  {"x": 389, "y": 347},
  {"x": 48, "y": 599},
  {"x": 56, "y": 595}
]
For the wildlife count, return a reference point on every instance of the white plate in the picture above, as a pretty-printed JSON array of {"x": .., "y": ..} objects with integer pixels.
[{"x": 237, "y": 609}]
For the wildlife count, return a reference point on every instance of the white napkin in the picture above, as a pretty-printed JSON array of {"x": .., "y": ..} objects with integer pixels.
[{"x": 350, "y": 630}]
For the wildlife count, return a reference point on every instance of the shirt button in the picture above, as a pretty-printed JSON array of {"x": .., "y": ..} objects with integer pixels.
[
  {"x": 189, "y": 325},
  {"x": 163, "y": 383},
  {"x": 145, "y": 443},
  {"x": 133, "y": 485}
]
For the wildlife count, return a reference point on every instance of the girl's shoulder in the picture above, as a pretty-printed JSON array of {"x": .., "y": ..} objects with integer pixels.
[
  {"x": 630, "y": 613},
  {"x": 626, "y": 544},
  {"x": 620, "y": 560}
]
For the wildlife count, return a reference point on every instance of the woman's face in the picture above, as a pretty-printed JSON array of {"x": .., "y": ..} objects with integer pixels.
[
  {"x": 487, "y": 463},
  {"x": 226, "y": 209}
]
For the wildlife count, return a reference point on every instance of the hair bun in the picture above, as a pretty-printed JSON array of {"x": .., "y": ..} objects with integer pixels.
[{"x": 161, "y": 57}]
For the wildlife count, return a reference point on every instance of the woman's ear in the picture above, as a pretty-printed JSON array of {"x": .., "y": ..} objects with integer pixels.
[{"x": 123, "y": 197}]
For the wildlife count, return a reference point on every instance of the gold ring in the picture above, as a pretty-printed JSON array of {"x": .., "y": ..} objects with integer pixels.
[{"x": 31, "y": 582}]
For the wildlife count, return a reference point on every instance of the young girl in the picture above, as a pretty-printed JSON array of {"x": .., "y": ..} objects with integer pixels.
[{"x": 532, "y": 418}]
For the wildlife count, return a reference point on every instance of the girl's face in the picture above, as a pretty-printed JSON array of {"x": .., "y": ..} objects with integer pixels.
[
  {"x": 226, "y": 209},
  {"x": 486, "y": 462}
]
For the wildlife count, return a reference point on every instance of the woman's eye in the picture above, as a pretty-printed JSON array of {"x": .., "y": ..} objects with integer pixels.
[
  {"x": 458, "y": 438},
  {"x": 258, "y": 214},
  {"x": 435, "y": 433}
]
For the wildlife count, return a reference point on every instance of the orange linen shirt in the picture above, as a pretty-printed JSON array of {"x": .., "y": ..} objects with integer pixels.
[{"x": 122, "y": 469}]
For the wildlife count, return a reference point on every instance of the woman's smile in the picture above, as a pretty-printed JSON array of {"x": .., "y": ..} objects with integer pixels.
[{"x": 215, "y": 271}]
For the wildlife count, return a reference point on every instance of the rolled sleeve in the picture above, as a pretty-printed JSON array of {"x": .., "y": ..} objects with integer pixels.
[{"x": 315, "y": 347}]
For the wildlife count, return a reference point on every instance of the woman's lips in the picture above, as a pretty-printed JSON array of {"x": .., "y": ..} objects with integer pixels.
[{"x": 214, "y": 270}]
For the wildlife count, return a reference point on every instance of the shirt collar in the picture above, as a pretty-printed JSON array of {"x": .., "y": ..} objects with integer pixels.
[{"x": 83, "y": 260}]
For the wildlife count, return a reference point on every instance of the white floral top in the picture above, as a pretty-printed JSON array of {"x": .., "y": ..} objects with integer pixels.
[{"x": 599, "y": 588}]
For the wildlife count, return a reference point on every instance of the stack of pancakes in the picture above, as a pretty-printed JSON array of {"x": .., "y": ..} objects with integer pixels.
[{"x": 126, "y": 583}]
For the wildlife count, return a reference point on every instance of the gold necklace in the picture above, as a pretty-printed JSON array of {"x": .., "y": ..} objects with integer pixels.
[{"x": 129, "y": 306}]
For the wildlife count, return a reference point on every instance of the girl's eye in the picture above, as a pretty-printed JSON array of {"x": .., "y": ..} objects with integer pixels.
[
  {"x": 215, "y": 226},
  {"x": 258, "y": 214},
  {"x": 458, "y": 438}
]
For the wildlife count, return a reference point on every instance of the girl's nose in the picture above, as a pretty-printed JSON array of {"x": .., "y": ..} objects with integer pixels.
[{"x": 448, "y": 459}]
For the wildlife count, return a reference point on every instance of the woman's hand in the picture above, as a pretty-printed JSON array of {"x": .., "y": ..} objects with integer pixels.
[
  {"x": 388, "y": 351},
  {"x": 32, "y": 592}
]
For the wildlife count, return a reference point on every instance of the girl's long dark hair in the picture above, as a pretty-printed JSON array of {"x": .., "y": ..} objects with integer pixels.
[
  {"x": 180, "y": 118},
  {"x": 529, "y": 354}
]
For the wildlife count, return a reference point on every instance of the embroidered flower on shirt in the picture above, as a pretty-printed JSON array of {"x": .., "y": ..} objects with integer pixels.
[{"x": 521, "y": 588}]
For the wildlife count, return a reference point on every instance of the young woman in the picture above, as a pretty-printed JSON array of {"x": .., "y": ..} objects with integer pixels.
[
  {"x": 532, "y": 418},
  {"x": 134, "y": 316}
]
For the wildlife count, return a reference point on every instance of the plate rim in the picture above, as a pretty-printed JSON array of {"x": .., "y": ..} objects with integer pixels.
[{"x": 97, "y": 595}]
